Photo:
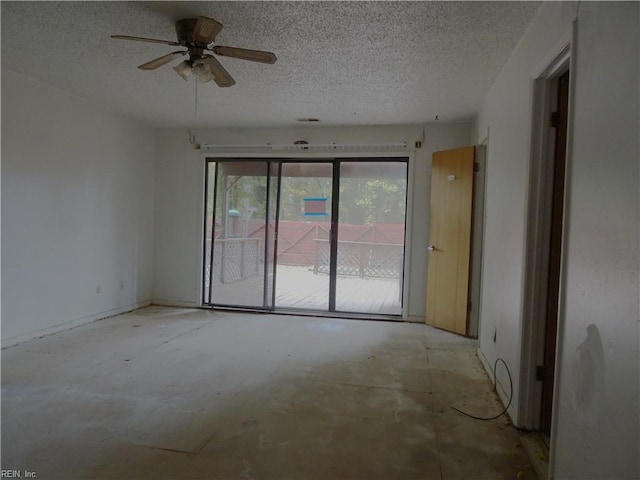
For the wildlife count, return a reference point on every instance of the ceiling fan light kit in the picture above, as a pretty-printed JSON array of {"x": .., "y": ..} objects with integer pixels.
[
  {"x": 202, "y": 71},
  {"x": 197, "y": 36},
  {"x": 183, "y": 69}
]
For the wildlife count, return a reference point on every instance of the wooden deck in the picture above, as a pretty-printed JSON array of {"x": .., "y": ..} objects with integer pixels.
[{"x": 300, "y": 288}]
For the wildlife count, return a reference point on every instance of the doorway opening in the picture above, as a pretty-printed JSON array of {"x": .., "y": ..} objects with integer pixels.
[
  {"x": 559, "y": 124},
  {"x": 324, "y": 235},
  {"x": 543, "y": 286}
]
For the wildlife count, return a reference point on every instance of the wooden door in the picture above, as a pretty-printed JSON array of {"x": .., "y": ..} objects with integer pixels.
[{"x": 450, "y": 239}]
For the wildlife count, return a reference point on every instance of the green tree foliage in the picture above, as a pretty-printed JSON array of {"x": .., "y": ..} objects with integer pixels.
[
  {"x": 371, "y": 201},
  {"x": 363, "y": 201}
]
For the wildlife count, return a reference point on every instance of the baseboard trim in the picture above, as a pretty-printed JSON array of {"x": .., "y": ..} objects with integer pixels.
[
  {"x": 44, "y": 332},
  {"x": 175, "y": 303}
]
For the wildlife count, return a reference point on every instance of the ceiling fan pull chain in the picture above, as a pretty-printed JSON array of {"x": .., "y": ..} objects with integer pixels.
[{"x": 195, "y": 107}]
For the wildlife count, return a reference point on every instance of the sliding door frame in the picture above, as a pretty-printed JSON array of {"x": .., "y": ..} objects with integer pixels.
[
  {"x": 332, "y": 269},
  {"x": 333, "y": 235},
  {"x": 272, "y": 160}
]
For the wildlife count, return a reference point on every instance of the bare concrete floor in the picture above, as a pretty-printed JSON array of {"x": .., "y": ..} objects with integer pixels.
[{"x": 181, "y": 393}]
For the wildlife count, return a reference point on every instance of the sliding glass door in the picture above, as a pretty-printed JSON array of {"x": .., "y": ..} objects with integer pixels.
[
  {"x": 304, "y": 226},
  {"x": 370, "y": 249},
  {"x": 238, "y": 227},
  {"x": 322, "y": 235}
]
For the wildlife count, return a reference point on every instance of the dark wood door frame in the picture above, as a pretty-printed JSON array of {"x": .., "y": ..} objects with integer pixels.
[
  {"x": 543, "y": 268},
  {"x": 559, "y": 123}
]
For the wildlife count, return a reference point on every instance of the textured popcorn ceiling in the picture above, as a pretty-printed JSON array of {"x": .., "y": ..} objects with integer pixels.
[{"x": 345, "y": 63}]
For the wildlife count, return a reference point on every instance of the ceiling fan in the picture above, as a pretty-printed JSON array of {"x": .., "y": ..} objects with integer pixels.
[{"x": 197, "y": 36}]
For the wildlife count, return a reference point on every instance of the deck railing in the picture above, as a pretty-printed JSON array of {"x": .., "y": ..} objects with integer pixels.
[
  {"x": 234, "y": 259},
  {"x": 361, "y": 259}
]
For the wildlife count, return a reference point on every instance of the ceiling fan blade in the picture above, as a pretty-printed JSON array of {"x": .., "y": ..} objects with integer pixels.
[
  {"x": 142, "y": 39},
  {"x": 245, "y": 54},
  {"x": 206, "y": 30},
  {"x": 158, "y": 62},
  {"x": 221, "y": 76}
]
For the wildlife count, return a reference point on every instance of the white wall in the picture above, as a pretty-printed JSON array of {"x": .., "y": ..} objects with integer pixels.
[
  {"x": 596, "y": 429},
  {"x": 77, "y": 210},
  {"x": 179, "y": 196},
  {"x": 598, "y": 403},
  {"x": 506, "y": 114}
]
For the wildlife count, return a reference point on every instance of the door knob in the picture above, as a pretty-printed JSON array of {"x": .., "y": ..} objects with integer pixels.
[{"x": 431, "y": 248}]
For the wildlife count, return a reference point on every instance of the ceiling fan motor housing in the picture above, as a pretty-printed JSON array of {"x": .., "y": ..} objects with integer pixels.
[
  {"x": 184, "y": 30},
  {"x": 195, "y": 53}
]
